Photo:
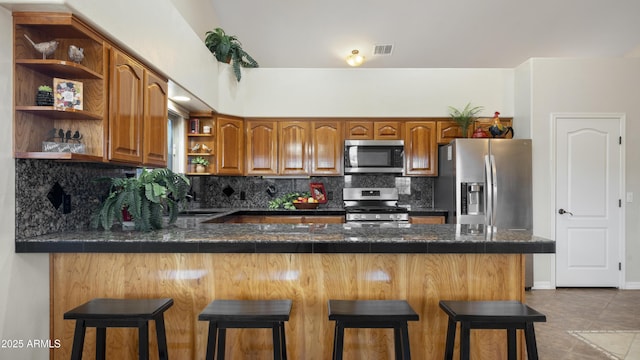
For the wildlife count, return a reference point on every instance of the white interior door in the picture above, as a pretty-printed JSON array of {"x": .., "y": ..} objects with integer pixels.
[{"x": 588, "y": 195}]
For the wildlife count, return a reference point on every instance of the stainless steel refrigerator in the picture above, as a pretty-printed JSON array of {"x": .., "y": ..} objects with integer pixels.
[{"x": 487, "y": 181}]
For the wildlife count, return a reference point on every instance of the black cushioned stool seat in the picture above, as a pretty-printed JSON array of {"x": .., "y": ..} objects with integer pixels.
[
  {"x": 104, "y": 313},
  {"x": 509, "y": 315},
  {"x": 392, "y": 314},
  {"x": 228, "y": 314}
]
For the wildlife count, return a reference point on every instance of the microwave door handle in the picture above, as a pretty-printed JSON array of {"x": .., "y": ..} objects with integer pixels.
[{"x": 353, "y": 156}]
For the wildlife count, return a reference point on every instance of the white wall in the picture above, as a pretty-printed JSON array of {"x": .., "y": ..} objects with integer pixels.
[
  {"x": 373, "y": 92},
  {"x": 582, "y": 86},
  {"x": 24, "y": 278}
]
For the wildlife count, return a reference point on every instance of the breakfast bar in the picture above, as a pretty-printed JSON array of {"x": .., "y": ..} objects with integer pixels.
[{"x": 198, "y": 260}]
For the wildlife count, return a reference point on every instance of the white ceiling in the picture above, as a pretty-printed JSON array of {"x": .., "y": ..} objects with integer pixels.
[{"x": 425, "y": 33}]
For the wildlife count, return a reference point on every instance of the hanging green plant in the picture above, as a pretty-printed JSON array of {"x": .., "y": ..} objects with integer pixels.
[{"x": 227, "y": 49}]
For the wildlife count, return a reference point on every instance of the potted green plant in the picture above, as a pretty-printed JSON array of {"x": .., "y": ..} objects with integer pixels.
[
  {"x": 227, "y": 49},
  {"x": 145, "y": 198},
  {"x": 465, "y": 117},
  {"x": 201, "y": 164},
  {"x": 44, "y": 97}
]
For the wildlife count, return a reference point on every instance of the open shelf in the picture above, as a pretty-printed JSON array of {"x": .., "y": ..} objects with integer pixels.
[
  {"x": 59, "y": 156},
  {"x": 56, "y": 114},
  {"x": 60, "y": 68}
]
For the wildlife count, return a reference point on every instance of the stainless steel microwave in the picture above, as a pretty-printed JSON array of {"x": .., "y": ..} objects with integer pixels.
[{"x": 373, "y": 156}]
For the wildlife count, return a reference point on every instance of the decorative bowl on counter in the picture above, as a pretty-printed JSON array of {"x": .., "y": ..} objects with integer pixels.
[{"x": 301, "y": 205}]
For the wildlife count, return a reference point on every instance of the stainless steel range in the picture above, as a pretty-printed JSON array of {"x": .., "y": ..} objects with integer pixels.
[{"x": 373, "y": 205}]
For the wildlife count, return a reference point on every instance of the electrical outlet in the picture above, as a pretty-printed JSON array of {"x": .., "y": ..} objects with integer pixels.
[
  {"x": 243, "y": 195},
  {"x": 329, "y": 195}
]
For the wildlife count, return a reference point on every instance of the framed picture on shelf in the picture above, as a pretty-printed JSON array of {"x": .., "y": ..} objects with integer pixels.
[
  {"x": 318, "y": 193},
  {"x": 67, "y": 94}
]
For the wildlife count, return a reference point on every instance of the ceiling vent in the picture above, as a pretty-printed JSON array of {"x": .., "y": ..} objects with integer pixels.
[{"x": 382, "y": 50}]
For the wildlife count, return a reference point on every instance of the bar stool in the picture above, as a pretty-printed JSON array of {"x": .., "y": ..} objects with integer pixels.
[
  {"x": 509, "y": 315},
  {"x": 392, "y": 314},
  {"x": 228, "y": 314},
  {"x": 104, "y": 313}
]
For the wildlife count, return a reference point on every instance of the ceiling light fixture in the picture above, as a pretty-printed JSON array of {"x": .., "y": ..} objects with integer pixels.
[{"x": 355, "y": 59}]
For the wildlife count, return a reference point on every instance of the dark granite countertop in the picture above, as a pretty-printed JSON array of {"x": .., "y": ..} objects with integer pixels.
[{"x": 192, "y": 234}]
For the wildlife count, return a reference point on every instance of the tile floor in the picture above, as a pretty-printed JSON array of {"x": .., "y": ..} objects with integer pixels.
[{"x": 587, "y": 324}]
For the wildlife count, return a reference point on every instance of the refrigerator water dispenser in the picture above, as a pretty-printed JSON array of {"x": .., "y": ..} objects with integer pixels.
[{"x": 472, "y": 198}]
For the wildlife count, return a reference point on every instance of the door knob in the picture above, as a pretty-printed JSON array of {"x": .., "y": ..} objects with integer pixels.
[{"x": 563, "y": 211}]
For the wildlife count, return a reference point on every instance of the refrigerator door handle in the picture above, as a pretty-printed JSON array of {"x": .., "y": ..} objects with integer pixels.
[
  {"x": 488, "y": 191},
  {"x": 494, "y": 191}
]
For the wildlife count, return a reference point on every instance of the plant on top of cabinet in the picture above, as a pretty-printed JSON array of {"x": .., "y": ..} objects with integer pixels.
[
  {"x": 465, "y": 117},
  {"x": 145, "y": 198},
  {"x": 227, "y": 49}
]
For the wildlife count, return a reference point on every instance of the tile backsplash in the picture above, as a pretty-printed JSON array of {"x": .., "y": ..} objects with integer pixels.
[
  {"x": 256, "y": 192},
  {"x": 37, "y": 192},
  {"x": 35, "y": 179}
]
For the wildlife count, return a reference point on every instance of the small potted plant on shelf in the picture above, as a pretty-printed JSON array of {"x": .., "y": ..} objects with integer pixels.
[
  {"x": 201, "y": 164},
  {"x": 227, "y": 49},
  {"x": 144, "y": 199},
  {"x": 44, "y": 97},
  {"x": 464, "y": 117}
]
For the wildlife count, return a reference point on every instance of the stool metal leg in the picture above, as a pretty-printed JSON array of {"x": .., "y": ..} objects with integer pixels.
[
  {"x": 284, "y": 341},
  {"x": 222, "y": 336},
  {"x": 512, "y": 347},
  {"x": 530, "y": 337},
  {"x": 451, "y": 337},
  {"x": 338, "y": 341},
  {"x": 78, "y": 340},
  {"x": 275, "y": 331},
  {"x": 161, "y": 335},
  {"x": 406, "y": 349},
  {"x": 211, "y": 340},
  {"x": 465, "y": 340},
  {"x": 397, "y": 342},
  {"x": 101, "y": 343},
  {"x": 143, "y": 341}
]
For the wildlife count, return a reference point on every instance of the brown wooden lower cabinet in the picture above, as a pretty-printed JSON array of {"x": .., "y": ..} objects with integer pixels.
[
  {"x": 310, "y": 280},
  {"x": 288, "y": 219},
  {"x": 426, "y": 219}
]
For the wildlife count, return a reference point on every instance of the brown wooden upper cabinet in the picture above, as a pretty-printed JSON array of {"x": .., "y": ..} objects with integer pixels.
[
  {"x": 123, "y": 118},
  {"x": 230, "y": 145},
  {"x": 373, "y": 130},
  {"x": 155, "y": 121},
  {"x": 448, "y": 130},
  {"x": 420, "y": 148},
  {"x": 327, "y": 147},
  {"x": 262, "y": 147},
  {"x": 387, "y": 130},
  {"x": 293, "y": 150},
  {"x": 126, "y": 97}
]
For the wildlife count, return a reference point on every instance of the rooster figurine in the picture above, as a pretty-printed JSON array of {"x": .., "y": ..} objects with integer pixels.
[
  {"x": 46, "y": 48},
  {"x": 76, "y": 54}
]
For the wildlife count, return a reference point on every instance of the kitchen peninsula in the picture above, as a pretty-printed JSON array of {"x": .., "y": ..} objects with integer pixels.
[{"x": 198, "y": 260}]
